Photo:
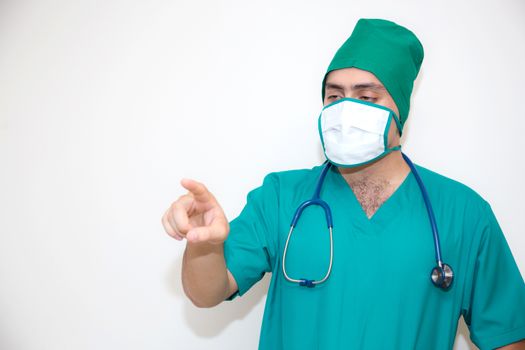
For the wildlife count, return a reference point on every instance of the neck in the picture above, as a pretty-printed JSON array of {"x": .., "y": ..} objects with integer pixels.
[{"x": 392, "y": 168}]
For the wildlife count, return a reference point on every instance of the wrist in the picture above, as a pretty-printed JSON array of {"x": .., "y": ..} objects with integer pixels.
[{"x": 203, "y": 248}]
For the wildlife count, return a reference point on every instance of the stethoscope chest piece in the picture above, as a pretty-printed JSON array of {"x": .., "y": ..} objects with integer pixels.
[{"x": 442, "y": 276}]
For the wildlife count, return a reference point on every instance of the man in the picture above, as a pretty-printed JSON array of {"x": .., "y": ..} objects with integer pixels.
[{"x": 367, "y": 284}]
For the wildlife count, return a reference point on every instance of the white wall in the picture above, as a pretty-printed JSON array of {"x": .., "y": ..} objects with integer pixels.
[{"x": 106, "y": 105}]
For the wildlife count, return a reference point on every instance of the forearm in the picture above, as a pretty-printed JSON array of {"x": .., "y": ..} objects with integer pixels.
[
  {"x": 204, "y": 274},
  {"x": 514, "y": 346}
]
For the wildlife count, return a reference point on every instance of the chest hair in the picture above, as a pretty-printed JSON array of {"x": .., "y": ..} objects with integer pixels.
[{"x": 371, "y": 194}]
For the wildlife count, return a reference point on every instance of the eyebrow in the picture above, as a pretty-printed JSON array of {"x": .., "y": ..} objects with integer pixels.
[{"x": 362, "y": 86}]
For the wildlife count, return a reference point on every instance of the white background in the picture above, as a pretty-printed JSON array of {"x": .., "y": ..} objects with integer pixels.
[{"x": 106, "y": 105}]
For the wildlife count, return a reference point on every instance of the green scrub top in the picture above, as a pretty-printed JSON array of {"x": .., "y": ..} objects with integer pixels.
[{"x": 379, "y": 294}]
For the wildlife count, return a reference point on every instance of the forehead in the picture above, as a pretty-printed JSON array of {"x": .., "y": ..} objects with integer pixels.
[{"x": 351, "y": 76}]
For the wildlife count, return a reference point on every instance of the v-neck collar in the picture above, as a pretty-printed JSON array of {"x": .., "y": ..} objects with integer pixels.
[{"x": 384, "y": 215}]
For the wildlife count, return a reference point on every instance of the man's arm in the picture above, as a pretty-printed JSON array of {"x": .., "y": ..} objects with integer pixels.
[
  {"x": 520, "y": 345},
  {"x": 198, "y": 217},
  {"x": 205, "y": 278}
]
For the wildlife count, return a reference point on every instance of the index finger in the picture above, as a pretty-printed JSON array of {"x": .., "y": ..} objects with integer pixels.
[{"x": 199, "y": 191}]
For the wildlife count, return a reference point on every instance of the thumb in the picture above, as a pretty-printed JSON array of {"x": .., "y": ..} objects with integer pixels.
[{"x": 214, "y": 233}]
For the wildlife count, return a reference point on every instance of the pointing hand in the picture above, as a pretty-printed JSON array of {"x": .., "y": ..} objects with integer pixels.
[{"x": 196, "y": 216}]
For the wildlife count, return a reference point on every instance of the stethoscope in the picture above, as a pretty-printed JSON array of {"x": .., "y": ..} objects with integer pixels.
[{"x": 441, "y": 275}]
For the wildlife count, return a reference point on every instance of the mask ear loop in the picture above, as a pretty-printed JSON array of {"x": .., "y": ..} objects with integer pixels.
[
  {"x": 398, "y": 123},
  {"x": 395, "y": 148},
  {"x": 391, "y": 116}
]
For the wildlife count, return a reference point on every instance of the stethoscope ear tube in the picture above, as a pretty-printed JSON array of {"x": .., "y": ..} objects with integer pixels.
[
  {"x": 303, "y": 282},
  {"x": 316, "y": 200}
]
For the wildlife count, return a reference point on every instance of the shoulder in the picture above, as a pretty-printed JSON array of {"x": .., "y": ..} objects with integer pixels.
[
  {"x": 456, "y": 202},
  {"x": 449, "y": 190},
  {"x": 290, "y": 179},
  {"x": 285, "y": 184}
]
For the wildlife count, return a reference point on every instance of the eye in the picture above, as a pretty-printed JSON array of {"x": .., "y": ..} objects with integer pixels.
[
  {"x": 333, "y": 97},
  {"x": 368, "y": 98}
]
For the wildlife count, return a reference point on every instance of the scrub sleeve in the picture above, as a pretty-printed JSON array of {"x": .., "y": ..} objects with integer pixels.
[
  {"x": 494, "y": 301},
  {"x": 249, "y": 249}
]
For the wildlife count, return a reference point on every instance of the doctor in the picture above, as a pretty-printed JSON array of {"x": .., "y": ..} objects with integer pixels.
[{"x": 371, "y": 282}]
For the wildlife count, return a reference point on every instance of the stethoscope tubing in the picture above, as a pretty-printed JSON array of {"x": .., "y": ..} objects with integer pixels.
[
  {"x": 316, "y": 200},
  {"x": 444, "y": 269},
  {"x": 430, "y": 211}
]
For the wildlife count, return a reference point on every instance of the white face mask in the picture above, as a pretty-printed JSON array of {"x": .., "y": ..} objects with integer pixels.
[{"x": 355, "y": 132}]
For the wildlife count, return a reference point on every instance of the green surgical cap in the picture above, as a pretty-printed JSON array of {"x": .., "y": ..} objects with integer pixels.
[{"x": 391, "y": 52}]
